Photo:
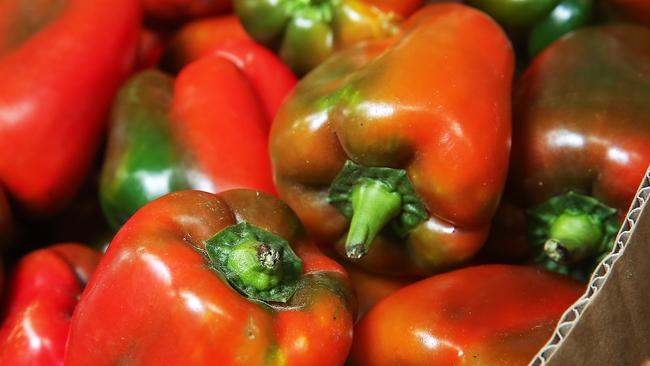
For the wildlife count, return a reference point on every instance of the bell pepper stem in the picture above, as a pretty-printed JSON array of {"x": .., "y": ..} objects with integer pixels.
[
  {"x": 256, "y": 262},
  {"x": 574, "y": 237},
  {"x": 373, "y": 206},
  {"x": 570, "y": 232}
]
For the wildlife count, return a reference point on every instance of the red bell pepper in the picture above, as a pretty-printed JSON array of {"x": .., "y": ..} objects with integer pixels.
[
  {"x": 486, "y": 315},
  {"x": 179, "y": 10},
  {"x": 207, "y": 129},
  {"x": 43, "y": 290},
  {"x": 581, "y": 142},
  {"x": 200, "y": 279},
  {"x": 397, "y": 144},
  {"x": 61, "y": 63},
  {"x": 200, "y": 38}
]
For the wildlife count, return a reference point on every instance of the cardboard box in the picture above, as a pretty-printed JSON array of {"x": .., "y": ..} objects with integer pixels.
[{"x": 610, "y": 323}]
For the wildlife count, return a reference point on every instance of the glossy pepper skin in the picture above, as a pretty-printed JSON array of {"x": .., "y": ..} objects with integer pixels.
[
  {"x": 540, "y": 22},
  {"x": 43, "y": 290},
  {"x": 198, "y": 318},
  {"x": 180, "y": 10},
  {"x": 199, "y": 38},
  {"x": 56, "y": 90},
  {"x": 581, "y": 141},
  {"x": 399, "y": 112},
  {"x": 305, "y": 33},
  {"x": 207, "y": 129},
  {"x": 485, "y": 315}
]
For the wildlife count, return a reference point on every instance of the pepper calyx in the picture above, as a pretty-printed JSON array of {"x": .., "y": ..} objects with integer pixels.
[
  {"x": 571, "y": 232},
  {"x": 374, "y": 198},
  {"x": 258, "y": 264}
]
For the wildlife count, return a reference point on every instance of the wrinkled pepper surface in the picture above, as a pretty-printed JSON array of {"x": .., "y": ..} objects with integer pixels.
[
  {"x": 217, "y": 283},
  {"x": 306, "y": 32},
  {"x": 207, "y": 129},
  {"x": 199, "y": 38},
  {"x": 180, "y": 10},
  {"x": 540, "y": 22},
  {"x": 42, "y": 292},
  {"x": 61, "y": 64},
  {"x": 581, "y": 142},
  {"x": 485, "y": 315},
  {"x": 395, "y": 143}
]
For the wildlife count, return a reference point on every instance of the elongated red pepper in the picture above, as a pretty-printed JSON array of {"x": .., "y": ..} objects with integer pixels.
[
  {"x": 397, "y": 144},
  {"x": 200, "y": 279},
  {"x": 61, "y": 63},
  {"x": 486, "y": 315},
  {"x": 581, "y": 142},
  {"x": 207, "y": 129},
  {"x": 43, "y": 290}
]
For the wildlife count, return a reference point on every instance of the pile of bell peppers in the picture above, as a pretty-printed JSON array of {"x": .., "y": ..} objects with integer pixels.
[{"x": 310, "y": 182}]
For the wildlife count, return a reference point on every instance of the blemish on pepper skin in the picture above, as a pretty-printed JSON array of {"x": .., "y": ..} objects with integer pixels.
[{"x": 251, "y": 329}]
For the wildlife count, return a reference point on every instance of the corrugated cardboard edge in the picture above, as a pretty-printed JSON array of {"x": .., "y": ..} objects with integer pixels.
[{"x": 598, "y": 278}]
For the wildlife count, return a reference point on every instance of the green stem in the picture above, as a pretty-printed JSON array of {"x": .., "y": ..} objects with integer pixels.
[
  {"x": 571, "y": 232},
  {"x": 574, "y": 237},
  {"x": 373, "y": 206},
  {"x": 257, "y": 263},
  {"x": 374, "y": 197}
]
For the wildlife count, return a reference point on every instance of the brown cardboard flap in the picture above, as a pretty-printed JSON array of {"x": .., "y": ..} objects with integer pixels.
[{"x": 610, "y": 324}]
